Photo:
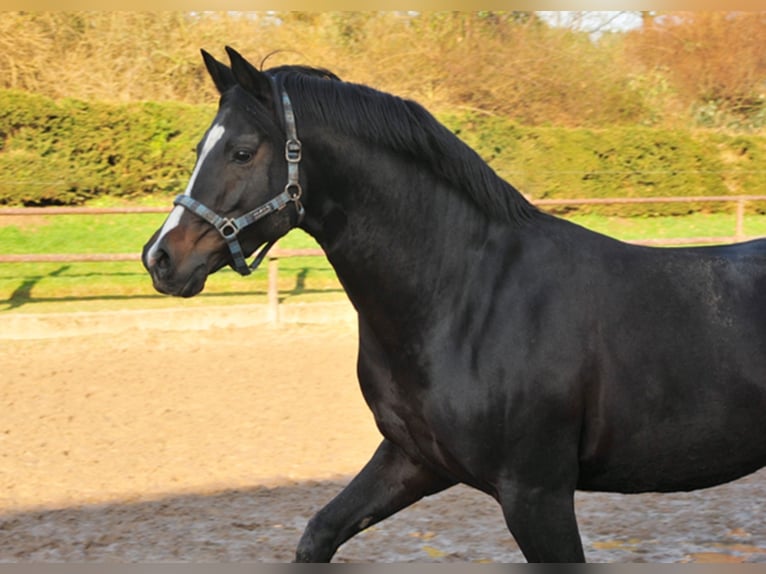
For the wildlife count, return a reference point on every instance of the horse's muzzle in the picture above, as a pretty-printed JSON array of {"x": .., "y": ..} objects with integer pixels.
[{"x": 169, "y": 279}]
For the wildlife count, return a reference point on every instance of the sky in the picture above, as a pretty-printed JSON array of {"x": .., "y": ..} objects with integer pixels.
[{"x": 597, "y": 22}]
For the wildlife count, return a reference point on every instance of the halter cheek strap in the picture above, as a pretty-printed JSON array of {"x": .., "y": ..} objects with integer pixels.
[{"x": 229, "y": 228}]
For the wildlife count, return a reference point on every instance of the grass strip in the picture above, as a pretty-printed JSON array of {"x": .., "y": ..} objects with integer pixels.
[{"x": 75, "y": 286}]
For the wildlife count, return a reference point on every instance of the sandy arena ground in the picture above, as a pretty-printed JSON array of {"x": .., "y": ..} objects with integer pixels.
[{"x": 217, "y": 445}]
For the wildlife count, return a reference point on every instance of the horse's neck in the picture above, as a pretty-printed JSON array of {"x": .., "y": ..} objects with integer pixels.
[{"x": 396, "y": 235}]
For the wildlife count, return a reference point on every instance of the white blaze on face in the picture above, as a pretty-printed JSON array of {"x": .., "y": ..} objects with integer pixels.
[{"x": 213, "y": 137}]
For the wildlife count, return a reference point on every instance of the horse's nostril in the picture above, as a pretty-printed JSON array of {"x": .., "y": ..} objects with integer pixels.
[
  {"x": 161, "y": 262},
  {"x": 161, "y": 259}
]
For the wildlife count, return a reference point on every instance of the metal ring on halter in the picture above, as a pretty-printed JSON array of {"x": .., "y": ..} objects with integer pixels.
[
  {"x": 228, "y": 229},
  {"x": 294, "y": 191}
]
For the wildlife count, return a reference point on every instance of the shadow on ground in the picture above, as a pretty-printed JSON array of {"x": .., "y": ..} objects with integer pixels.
[{"x": 724, "y": 524}]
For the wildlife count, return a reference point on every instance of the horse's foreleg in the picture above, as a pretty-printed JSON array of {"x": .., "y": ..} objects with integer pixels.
[
  {"x": 543, "y": 523},
  {"x": 389, "y": 482}
]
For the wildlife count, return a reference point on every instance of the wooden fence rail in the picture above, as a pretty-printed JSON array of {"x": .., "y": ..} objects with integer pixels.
[
  {"x": 275, "y": 254},
  {"x": 739, "y": 228}
]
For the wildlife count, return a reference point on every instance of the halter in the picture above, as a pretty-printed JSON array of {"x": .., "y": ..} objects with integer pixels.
[{"x": 229, "y": 228}]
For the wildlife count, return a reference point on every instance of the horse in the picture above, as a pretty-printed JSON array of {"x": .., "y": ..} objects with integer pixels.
[{"x": 500, "y": 346}]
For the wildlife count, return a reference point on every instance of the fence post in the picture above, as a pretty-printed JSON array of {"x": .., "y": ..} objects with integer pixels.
[
  {"x": 273, "y": 290},
  {"x": 740, "y": 231}
]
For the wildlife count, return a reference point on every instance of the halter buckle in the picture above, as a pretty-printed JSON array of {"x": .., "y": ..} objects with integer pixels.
[{"x": 293, "y": 150}]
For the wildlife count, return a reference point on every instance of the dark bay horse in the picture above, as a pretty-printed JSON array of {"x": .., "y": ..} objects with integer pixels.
[{"x": 499, "y": 346}]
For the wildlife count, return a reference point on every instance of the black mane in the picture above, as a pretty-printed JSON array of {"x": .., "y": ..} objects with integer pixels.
[{"x": 406, "y": 127}]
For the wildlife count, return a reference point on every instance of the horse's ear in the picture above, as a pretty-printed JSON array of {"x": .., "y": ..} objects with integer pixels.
[
  {"x": 221, "y": 73},
  {"x": 251, "y": 79}
]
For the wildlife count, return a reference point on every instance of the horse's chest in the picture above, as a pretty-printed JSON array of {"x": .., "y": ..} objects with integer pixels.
[
  {"x": 397, "y": 407},
  {"x": 398, "y": 399},
  {"x": 398, "y": 386}
]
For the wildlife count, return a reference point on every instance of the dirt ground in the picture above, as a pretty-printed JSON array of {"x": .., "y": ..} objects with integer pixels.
[{"x": 218, "y": 445}]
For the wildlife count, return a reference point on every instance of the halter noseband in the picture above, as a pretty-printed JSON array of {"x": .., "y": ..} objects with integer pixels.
[{"x": 229, "y": 228}]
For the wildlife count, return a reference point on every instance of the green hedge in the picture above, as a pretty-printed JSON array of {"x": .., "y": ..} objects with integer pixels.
[
  {"x": 67, "y": 152},
  {"x": 561, "y": 163}
]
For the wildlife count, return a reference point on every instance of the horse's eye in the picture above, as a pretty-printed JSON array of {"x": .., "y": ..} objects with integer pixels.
[{"x": 242, "y": 156}]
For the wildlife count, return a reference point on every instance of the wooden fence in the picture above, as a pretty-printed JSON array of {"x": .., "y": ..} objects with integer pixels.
[
  {"x": 275, "y": 254},
  {"x": 739, "y": 228}
]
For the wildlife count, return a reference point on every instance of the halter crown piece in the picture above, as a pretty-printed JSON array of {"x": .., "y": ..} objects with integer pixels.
[{"x": 229, "y": 228}]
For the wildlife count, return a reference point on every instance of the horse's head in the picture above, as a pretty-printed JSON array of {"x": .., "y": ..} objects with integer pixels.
[{"x": 245, "y": 189}]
